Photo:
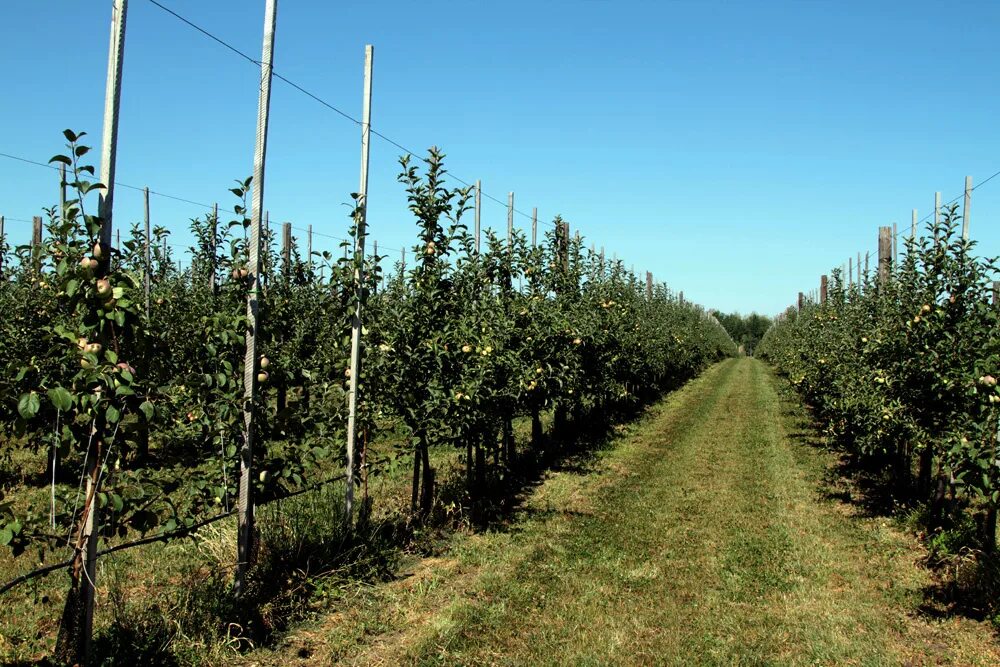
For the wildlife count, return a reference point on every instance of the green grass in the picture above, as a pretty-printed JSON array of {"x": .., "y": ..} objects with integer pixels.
[
  {"x": 707, "y": 532},
  {"x": 703, "y": 537}
]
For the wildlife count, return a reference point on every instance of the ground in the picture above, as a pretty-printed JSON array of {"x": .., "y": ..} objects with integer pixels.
[{"x": 707, "y": 533}]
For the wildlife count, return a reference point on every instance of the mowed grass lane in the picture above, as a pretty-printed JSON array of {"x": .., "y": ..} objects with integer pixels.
[{"x": 701, "y": 538}]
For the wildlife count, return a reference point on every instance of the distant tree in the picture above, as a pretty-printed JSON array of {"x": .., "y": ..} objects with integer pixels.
[{"x": 745, "y": 330}]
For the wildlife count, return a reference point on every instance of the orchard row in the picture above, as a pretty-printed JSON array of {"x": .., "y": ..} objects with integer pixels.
[
  {"x": 146, "y": 395},
  {"x": 902, "y": 371}
]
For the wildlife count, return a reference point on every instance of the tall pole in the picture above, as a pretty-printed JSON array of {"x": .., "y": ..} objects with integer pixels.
[
  {"x": 479, "y": 208},
  {"x": 36, "y": 243},
  {"x": 895, "y": 246},
  {"x": 966, "y": 208},
  {"x": 937, "y": 213},
  {"x": 62, "y": 192},
  {"x": 510, "y": 220},
  {"x": 286, "y": 248},
  {"x": 884, "y": 254},
  {"x": 309, "y": 250},
  {"x": 534, "y": 227},
  {"x": 76, "y": 648},
  {"x": 212, "y": 251},
  {"x": 109, "y": 143},
  {"x": 250, "y": 362},
  {"x": 2, "y": 246},
  {"x": 913, "y": 225},
  {"x": 147, "y": 253},
  {"x": 359, "y": 258}
]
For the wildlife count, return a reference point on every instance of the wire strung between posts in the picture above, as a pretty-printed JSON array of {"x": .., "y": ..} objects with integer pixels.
[
  {"x": 162, "y": 537},
  {"x": 326, "y": 104}
]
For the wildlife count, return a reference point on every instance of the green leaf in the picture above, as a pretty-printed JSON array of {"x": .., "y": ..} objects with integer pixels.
[
  {"x": 61, "y": 398},
  {"x": 28, "y": 405},
  {"x": 146, "y": 408},
  {"x": 6, "y": 535},
  {"x": 113, "y": 414},
  {"x": 62, "y": 159}
]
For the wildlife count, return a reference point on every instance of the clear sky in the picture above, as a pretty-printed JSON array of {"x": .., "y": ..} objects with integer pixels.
[{"x": 735, "y": 149}]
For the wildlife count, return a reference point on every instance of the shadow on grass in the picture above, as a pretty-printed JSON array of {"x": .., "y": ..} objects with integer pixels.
[
  {"x": 303, "y": 558},
  {"x": 306, "y": 559},
  {"x": 966, "y": 579}
]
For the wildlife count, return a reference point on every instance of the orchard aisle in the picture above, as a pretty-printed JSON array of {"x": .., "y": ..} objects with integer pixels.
[{"x": 702, "y": 537}]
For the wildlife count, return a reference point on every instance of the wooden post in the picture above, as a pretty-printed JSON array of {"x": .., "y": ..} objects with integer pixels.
[
  {"x": 966, "y": 208},
  {"x": 649, "y": 286},
  {"x": 510, "y": 220},
  {"x": 850, "y": 271},
  {"x": 148, "y": 262},
  {"x": 534, "y": 227},
  {"x": 822, "y": 288},
  {"x": 895, "y": 247},
  {"x": 479, "y": 209},
  {"x": 309, "y": 250},
  {"x": 802, "y": 300},
  {"x": 867, "y": 254},
  {"x": 402, "y": 259},
  {"x": 913, "y": 225},
  {"x": 996, "y": 292},
  {"x": 246, "y": 535},
  {"x": 681, "y": 296},
  {"x": 3, "y": 238},
  {"x": 286, "y": 248},
  {"x": 36, "y": 243},
  {"x": 884, "y": 254},
  {"x": 359, "y": 257}
]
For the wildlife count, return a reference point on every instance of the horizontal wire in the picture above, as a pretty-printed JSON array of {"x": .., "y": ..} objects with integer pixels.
[{"x": 326, "y": 104}]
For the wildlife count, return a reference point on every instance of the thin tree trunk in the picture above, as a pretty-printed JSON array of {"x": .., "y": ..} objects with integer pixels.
[
  {"x": 415, "y": 489},
  {"x": 990, "y": 529},
  {"x": 536, "y": 427},
  {"x": 926, "y": 471},
  {"x": 508, "y": 441},
  {"x": 427, "y": 493},
  {"x": 76, "y": 627}
]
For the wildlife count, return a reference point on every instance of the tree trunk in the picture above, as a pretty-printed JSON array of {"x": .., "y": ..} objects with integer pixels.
[
  {"x": 903, "y": 467},
  {"x": 282, "y": 397},
  {"x": 427, "y": 493},
  {"x": 481, "y": 463},
  {"x": 508, "y": 441},
  {"x": 559, "y": 425},
  {"x": 536, "y": 427},
  {"x": 926, "y": 470},
  {"x": 469, "y": 467},
  {"x": 415, "y": 489},
  {"x": 76, "y": 627},
  {"x": 990, "y": 529}
]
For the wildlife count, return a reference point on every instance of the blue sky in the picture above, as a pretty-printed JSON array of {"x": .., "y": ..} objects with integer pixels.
[{"x": 735, "y": 149}]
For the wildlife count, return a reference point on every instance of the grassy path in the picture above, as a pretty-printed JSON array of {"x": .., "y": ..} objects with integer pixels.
[{"x": 702, "y": 537}]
